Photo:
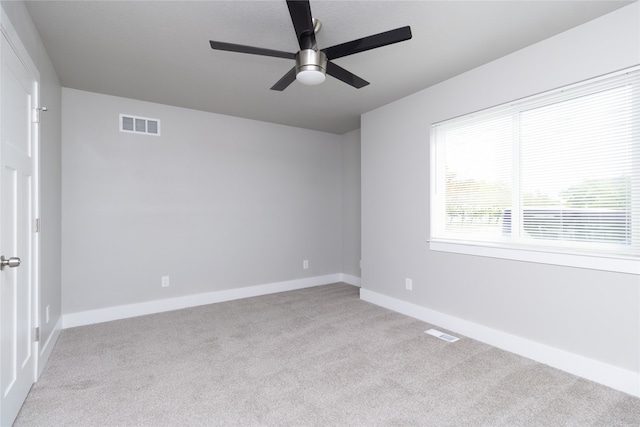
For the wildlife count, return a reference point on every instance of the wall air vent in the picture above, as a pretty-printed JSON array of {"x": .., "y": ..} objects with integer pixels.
[{"x": 136, "y": 124}]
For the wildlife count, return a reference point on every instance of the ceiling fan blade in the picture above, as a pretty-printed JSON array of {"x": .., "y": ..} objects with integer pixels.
[
  {"x": 367, "y": 43},
  {"x": 285, "y": 81},
  {"x": 230, "y": 47},
  {"x": 345, "y": 76},
  {"x": 300, "y": 12}
]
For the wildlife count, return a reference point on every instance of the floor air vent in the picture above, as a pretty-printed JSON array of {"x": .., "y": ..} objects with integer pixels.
[
  {"x": 139, "y": 125},
  {"x": 442, "y": 335}
]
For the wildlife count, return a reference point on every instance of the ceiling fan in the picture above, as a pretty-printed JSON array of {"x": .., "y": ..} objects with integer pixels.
[{"x": 312, "y": 64}]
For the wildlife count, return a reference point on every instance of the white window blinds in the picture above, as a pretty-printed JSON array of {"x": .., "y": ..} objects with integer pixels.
[{"x": 559, "y": 171}]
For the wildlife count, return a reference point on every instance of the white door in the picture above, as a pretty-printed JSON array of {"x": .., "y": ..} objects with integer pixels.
[{"x": 17, "y": 159}]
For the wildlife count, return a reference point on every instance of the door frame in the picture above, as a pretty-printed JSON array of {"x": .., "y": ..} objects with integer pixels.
[{"x": 11, "y": 35}]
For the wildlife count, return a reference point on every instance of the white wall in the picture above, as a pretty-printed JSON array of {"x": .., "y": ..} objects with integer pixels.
[
  {"x": 351, "y": 203},
  {"x": 50, "y": 187},
  {"x": 215, "y": 202},
  {"x": 590, "y": 313}
]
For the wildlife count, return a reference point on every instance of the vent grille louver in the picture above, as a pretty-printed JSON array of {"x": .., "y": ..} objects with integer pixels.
[{"x": 135, "y": 124}]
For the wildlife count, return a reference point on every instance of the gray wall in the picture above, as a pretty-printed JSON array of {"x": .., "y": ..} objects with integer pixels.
[
  {"x": 351, "y": 203},
  {"x": 215, "y": 202},
  {"x": 586, "y": 312},
  {"x": 50, "y": 187}
]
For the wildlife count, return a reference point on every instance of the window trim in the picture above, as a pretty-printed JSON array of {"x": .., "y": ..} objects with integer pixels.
[
  {"x": 520, "y": 252},
  {"x": 539, "y": 256}
]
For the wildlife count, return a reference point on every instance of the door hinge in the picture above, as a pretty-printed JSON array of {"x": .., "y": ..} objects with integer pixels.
[
  {"x": 37, "y": 334},
  {"x": 36, "y": 225},
  {"x": 36, "y": 114}
]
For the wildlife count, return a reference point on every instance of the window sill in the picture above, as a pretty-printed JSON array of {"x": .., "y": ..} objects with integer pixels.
[{"x": 619, "y": 265}]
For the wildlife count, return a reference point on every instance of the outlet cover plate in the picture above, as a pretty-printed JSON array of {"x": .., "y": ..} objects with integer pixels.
[{"x": 408, "y": 283}]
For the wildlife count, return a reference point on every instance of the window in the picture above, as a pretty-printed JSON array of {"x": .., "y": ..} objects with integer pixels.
[{"x": 553, "y": 178}]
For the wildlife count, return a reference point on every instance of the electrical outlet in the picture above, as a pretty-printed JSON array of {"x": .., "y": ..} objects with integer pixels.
[
  {"x": 305, "y": 264},
  {"x": 408, "y": 283},
  {"x": 46, "y": 314},
  {"x": 165, "y": 281}
]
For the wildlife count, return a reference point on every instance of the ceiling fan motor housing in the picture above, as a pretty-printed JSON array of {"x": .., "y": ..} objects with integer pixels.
[{"x": 311, "y": 64}]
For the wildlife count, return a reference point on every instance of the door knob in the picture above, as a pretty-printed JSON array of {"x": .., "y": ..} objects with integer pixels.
[{"x": 14, "y": 261}]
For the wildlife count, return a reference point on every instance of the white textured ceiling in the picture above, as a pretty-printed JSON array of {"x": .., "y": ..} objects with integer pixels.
[{"x": 159, "y": 50}]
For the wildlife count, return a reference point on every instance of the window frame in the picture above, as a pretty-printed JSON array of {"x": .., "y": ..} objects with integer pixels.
[{"x": 545, "y": 254}]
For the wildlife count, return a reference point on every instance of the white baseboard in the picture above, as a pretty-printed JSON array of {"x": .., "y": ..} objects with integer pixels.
[
  {"x": 609, "y": 375},
  {"x": 350, "y": 280},
  {"x": 46, "y": 348},
  {"x": 82, "y": 318}
]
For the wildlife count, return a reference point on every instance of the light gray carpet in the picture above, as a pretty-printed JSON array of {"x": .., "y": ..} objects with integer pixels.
[{"x": 317, "y": 356}]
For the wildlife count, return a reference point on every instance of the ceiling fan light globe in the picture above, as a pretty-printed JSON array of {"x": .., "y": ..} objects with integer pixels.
[
  {"x": 311, "y": 66},
  {"x": 310, "y": 77}
]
